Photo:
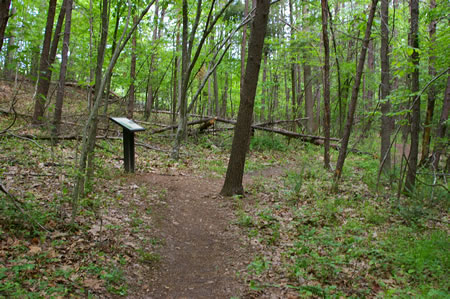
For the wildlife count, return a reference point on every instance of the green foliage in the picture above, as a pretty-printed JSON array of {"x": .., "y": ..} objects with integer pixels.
[
  {"x": 244, "y": 219},
  {"x": 421, "y": 258},
  {"x": 266, "y": 141}
]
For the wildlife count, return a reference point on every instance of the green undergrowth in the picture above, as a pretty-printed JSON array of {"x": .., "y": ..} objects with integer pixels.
[
  {"x": 353, "y": 243},
  {"x": 41, "y": 254}
]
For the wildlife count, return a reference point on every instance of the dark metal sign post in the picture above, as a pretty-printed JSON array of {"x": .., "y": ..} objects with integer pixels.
[{"x": 129, "y": 127}]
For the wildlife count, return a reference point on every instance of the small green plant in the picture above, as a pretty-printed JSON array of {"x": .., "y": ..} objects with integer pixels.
[
  {"x": 294, "y": 182},
  {"x": 244, "y": 219},
  {"x": 148, "y": 257},
  {"x": 162, "y": 195},
  {"x": 142, "y": 191},
  {"x": 258, "y": 265},
  {"x": 115, "y": 281},
  {"x": 374, "y": 216}
]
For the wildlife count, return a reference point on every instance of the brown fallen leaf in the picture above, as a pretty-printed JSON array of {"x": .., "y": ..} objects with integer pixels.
[
  {"x": 93, "y": 283},
  {"x": 34, "y": 249}
]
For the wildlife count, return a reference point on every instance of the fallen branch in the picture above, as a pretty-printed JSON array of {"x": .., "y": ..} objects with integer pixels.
[
  {"x": 304, "y": 137},
  {"x": 191, "y": 123},
  {"x": 277, "y": 122},
  {"x": 207, "y": 124}
]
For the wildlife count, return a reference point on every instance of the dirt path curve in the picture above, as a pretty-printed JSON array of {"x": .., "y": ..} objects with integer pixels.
[{"x": 203, "y": 250}]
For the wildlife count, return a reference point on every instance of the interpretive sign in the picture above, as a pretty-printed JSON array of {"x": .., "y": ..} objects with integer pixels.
[
  {"x": 127, "y": 124},
  {"x": 129, "y": 127}
]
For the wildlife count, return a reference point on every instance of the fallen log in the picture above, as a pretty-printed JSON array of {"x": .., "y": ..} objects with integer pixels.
[
  {"x": 287, "y": 133},
  {"x": 207, "y": 124},
  {"x": 277, "y": 122},
  {"x": 191, "y": 123}
]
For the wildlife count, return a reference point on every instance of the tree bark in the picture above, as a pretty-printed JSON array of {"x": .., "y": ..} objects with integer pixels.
[
  {"x": 354, "y": 98},
  {"x": 243, "y": 44},
  {"x": 386, "y": 122},
  {"x": 241, "y": 139},
  {"x": 326, "y": 84},
  {"x": 216, "y": 92},
  {"x": 150, "y": 93},
  {"x": 371, "y": 69},
  {"x": 338, "y": 68},
  {"x": 223, "y": 109},
  {"x": 4, "y": 16},
  {"x": 113, "y": 48},
  {"x": 40, "y": 97},
  {"x": 293, "y": 63},
  {"x": 415, "y": 115},
  {"x": 311, "y": 124},
  {"x": 132, "y": 97},
  {"x": 176, "y": 81},
  {"x": 440, "y": 144},
  {"x": 309, "y": 99},
  {"x": 431, "y": 90},
  {"x": 9, "y": 57},
  {"x": 182, "y": 100},
  {"x": 62, "y": 71},
  {"x": 98, "y": 78},
  {"x": 262, "y": 117}
]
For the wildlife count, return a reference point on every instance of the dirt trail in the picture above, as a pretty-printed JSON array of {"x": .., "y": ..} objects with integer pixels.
[{"x": 203, "y": 251}]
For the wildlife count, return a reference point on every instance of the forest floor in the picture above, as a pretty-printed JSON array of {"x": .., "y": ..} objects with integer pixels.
[{"x": 165, "y": 232}]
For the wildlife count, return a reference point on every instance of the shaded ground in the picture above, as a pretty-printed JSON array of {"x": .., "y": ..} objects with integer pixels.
[{"x": 202, "y": 250}]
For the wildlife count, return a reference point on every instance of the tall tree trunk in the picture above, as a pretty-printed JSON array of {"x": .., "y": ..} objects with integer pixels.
[
  {"x": 354, "y": 98},
  {"x": 441, "y": 141},
  {"x": 309, "y": 99},
  {"x": 241, "y": 139},
  {"x": 338, "y": 68},
  {"x": 98, "y": 78},
  {"x": 371, "y": 69},
  {"x": 345, "y": 88},
  {"x": 287, "y": 93},
  {"x": 264, "y": 89},
  {"x": 293, "y": 64},
  {"x": 176, "y": 81},
  {"x": 244, "y": 44},
  {"x": 431, "y": 90},
  {"x": 326, "y": 84},
  {"x": 150, "y": 94},
  {"x": 9, "y": 57},
  {"x": 40, "y": 97},
  {"x": 113, "y": 49},
  {"x": 132, "y": 97},
  {"x": 89, "y": 129},
  {"x": 386, "y": 122},
  {"x": 91, "y": 55},
  {"x": 4, "y": 16},
  {"x": 415, "y": 115},
  {"x": 223, "y": 109},
  {"x": 63, "y": 70},
  {"x": 182, "y": 100},
  {"x": 210, "y": 97},
  {"x": 216, "y": 93},
  {"x": 189, "y": 61}
]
